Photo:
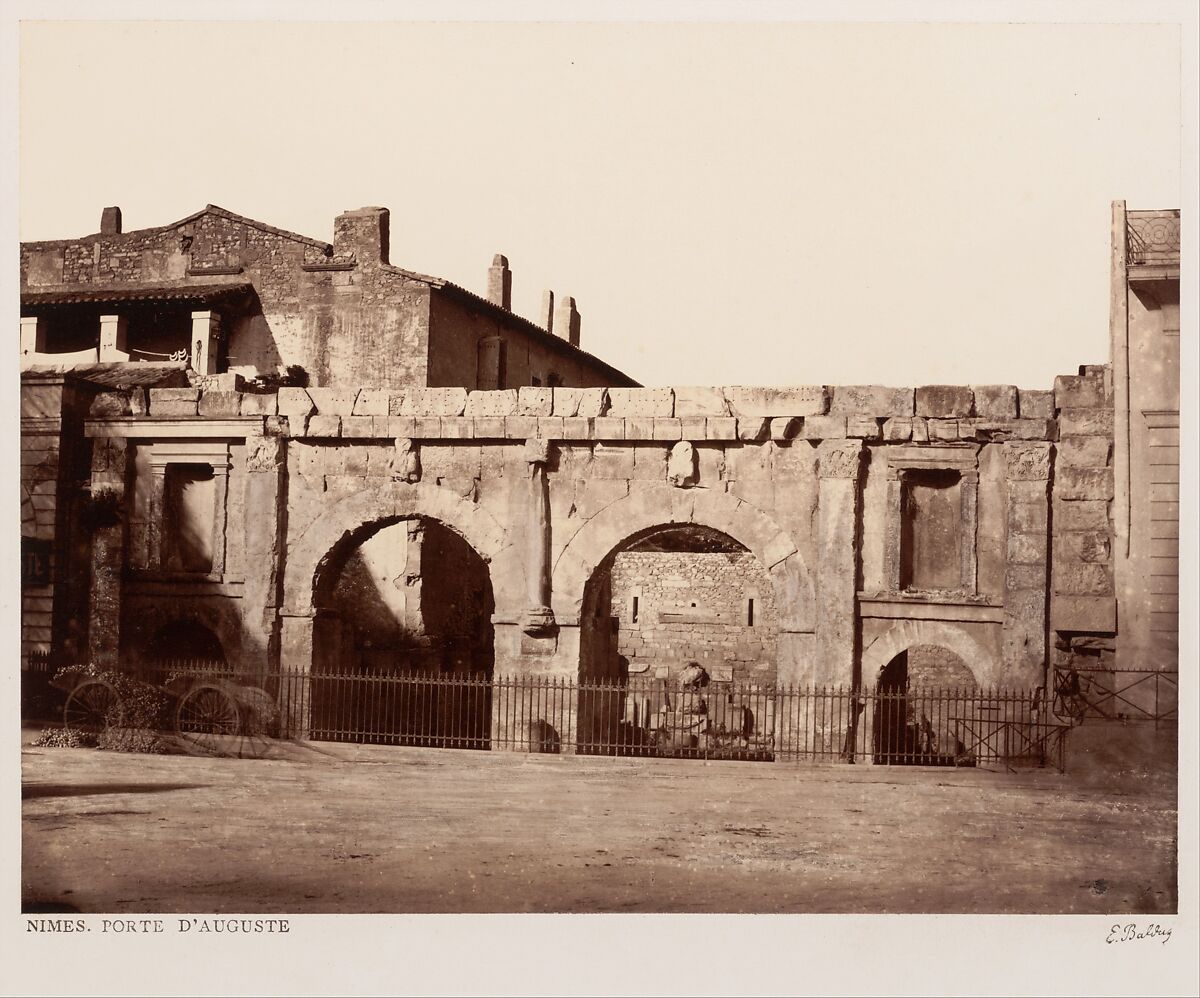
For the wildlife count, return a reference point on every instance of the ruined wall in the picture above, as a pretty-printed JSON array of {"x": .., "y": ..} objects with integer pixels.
[
  {"x": 693, "y": 605},
  {"x": 1083, "y": 600},
  {"x": 932, "y": 667},
  {"x": 808, "y": 490}
]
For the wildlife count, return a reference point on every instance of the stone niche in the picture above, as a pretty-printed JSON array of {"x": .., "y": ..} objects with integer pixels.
[{"x": 932, "y": 512}]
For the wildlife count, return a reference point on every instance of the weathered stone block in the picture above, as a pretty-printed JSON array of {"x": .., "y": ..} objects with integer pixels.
[
  {"x": 354, "y": 459},
  {"x": 1082, "y": 579},
  {"x": 294, "y": 402},
  {"x": 897, "y": 429},
  {"x": 255, "y": 404},
  {"x": 139, "y": 401},
  {"x": 230, "y": 381},
  {"x": 550, "y": 427},
  {"x": 1076, "y": 392},
  {"x": 700, "y": 401},
  {"x": 434, "y": 402},
  {"x": 943, "y": 429},
  {"x": 785, "y": 427},
  {"x": 1026, "y": 462},
  {"x": 831, "y": 427},
  {"x": 497, "y": 403},
  {"x": 995, "y": 401},
  {"x": 168, "y": 409},
  {"x": 666, "y": 428},
  {"x": 944, "y": 401},
  {"x": 281, "y": 426},
  {"x": 1085, "y": 545},
  {"x": 613, "y": 461},
  {"x": 396, "y": 397},
  {"x": 872, "y": 400},
  {"x": 650, "y": 461},
  {"x": 457, "y": 428},
  {"x": 641, "y": 402},
  {"x": 691, "y": 427},
  {"x": 1083, "y": 483},
  {"x": 333, "y": 401},
  {"x": 1035, "y": 403},
  {"x": 1085, "y": 423},
  {"x": 383, "y": 426},
  {"x": 639, "y": 427},
  {"x": 1080, "y": 515},
  {"x": 109, "y": 404},
  {"x": 920, "y": 430},
  {"x": 799, "y": 400},
  {"x": 534, "y": 401},
  {"x": 323, "y": 425},
  {"x": 174, "y": 395},
  {"x": 583, "y": 402},
  {"x": 1028, "y": 517},
  {"x": 1006, "y": 429},
  {"x": 1097, "y": 614},
  {"x": 609, "y": 427},
  {"x": 219, "y": 404},
  {"x": 402, "y": 427},
  {"x": 358, "y": 426},
  {"x": 517, "y": 427},
  {"x": 373, "y": 402},
  {"x": 174, "y": 401},
  {"x": 576, "y": 428},
  {"x": 429, "y": 427},
  {"x": 1084, "y": 452},
  {"x": 594, "y": 494},
  {"x": 865, "y": 428},
  {"x": 1025, "y": 577},
  {"x": 1026, "y": 549},
  {"x": 753, "y": 428},
  {"x": 489, "y": 427},
  {"x": 717, "y": 428}
]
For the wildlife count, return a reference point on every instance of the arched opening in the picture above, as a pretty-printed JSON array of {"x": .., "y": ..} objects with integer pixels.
[
  {"x": 403, "y": 638},
  {"x": 920, "y": 697},
  {"x": 668, "y": 605}
]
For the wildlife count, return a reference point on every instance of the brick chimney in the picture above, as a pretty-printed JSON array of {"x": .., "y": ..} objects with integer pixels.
[
  {"x": 363, "y": 234},
  {"x": 566, "y": 321},
  {"x": 499, "y": 287},
  {"x": 546, "y": 315},
  {"x": 110, "y": 221}
]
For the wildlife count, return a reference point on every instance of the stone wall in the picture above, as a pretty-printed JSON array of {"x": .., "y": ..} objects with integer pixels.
[
  {"x": 1083, "y": 600},
  {"x": 694, "y": 606},
  {"x": 932, "y": 667}
]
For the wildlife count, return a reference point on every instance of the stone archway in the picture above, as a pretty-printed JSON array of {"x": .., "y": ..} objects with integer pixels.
[
  {"x": 356, "y": 516},
  {"x": 643, "y": 510},
  {"x": 986, "y": 669}
]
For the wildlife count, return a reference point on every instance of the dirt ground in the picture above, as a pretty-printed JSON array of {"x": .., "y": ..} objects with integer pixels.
[{"x": 332, "y": 829}]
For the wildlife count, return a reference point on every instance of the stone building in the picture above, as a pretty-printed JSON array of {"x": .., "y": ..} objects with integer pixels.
[{"x": 244, "y": 444}]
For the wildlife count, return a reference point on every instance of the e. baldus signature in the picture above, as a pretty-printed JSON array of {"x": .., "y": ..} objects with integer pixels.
[{"x": 1131, "y": 931}]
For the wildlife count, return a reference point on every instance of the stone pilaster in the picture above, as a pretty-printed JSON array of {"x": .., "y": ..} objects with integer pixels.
[
  {"x": 839, "y": 467},
  {"x": 110, "y": 460},
  {"x": 262, "y": 539},
  {"x": 1027, "y": 473},
  {"x": 206, "y": 329}
]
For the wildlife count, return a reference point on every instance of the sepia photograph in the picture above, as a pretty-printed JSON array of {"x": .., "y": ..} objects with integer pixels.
[{"x": 679, "y": 463}]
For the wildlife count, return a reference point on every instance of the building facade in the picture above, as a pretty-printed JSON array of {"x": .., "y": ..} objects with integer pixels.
[{"x": 247, "y": 445}]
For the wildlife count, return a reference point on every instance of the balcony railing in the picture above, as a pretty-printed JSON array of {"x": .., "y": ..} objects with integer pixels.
[{"x": 1152, "y": 238}]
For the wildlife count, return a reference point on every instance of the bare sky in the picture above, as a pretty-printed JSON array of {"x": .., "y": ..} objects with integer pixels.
[{"x": 746, "y": 203}]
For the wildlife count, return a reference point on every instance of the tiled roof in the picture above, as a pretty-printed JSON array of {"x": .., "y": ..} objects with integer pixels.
[{"x": 179, "y": 291}]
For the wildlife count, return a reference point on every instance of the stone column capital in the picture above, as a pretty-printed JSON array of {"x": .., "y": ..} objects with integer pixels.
[{"x": 839, "y": 458}]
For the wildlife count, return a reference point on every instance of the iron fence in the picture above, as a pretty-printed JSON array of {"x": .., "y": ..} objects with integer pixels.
[
  {"x": 1115, "y": 694},
  {"x": 634, "y": 718}
]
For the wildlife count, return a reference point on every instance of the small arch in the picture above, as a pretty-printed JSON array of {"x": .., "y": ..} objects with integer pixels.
[
  {"x": 909, "y": 633},
  {"x": 645, "y": 510},
  {"x": 353, "y": 518}
]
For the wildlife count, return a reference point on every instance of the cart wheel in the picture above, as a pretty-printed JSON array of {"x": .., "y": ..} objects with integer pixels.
[
  {"x": 207, "y": 721},
  {"x": 90, "y": 707}
]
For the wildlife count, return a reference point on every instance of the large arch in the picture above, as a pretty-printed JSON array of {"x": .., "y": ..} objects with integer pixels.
[
  {"x": 906, "y": 633},
  {"x": 350, "y": 519},
  {"x": 645, "y": 509}
]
